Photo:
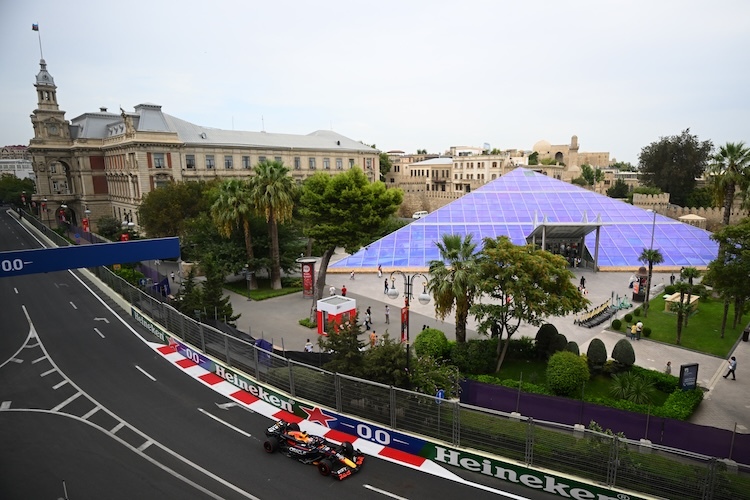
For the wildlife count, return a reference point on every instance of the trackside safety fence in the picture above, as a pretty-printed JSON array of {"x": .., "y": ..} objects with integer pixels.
[{"x": 596, "y": 456}]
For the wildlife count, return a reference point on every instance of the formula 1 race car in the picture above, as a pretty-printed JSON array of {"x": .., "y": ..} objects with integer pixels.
[{"x": 339, "y": 461}]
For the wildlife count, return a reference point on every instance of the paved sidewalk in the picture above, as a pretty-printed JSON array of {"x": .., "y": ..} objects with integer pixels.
[{"x": 726, "y": 404}]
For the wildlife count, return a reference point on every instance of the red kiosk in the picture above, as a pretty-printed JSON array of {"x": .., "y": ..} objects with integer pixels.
[{"x": 336, "y": 309}]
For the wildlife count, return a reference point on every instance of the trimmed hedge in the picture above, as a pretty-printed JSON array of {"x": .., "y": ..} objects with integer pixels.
[
  {"x": 566, "y": 373},
  {"x": 432, "y": 342}
]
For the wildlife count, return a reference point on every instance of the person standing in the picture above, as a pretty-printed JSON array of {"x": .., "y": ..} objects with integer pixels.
[
  {"x": 668, "y": 368},
  {"x": 309, "y": 346},
  {"x": 343, "y": 291},
  {"x": 172, "y": 275},
  {"x": 732, "y": 368},
  {"x": 583, "y": 283},
  {"x": 351, "y": 275},
  {"x": 380, "y": 271},
  {"x": 373, "y": 338},
  {"x": 332, "y": 290},
  {"x": 385, "y": 284},
  {"x": 367, "y": 321},
  {"x": 387, "y": 315},
  {"x": 638, "y": 330},
  {"x": 633, "y": 330}
]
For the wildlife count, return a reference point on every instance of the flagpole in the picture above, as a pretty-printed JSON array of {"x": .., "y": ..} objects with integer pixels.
[{"x": 35, "y": 27}]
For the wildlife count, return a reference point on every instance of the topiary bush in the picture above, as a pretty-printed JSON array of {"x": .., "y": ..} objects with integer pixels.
[
  {"x": 628, "y": 318},
  {"x": 573, "y": 347},
  {"x": 431, "y": 342},
  {"x": 596, "y": 354},
  {"x": 646, "y": 331},
  {"x": 637, "y": 311},
  {"x": 566, "y": 373},
  {"x": 616, "y": 324},
  {"x": 522, "y": 348},
  {"x": 670, "y": 289},
  {"x": 544, "y": 337},
  {"x": 558, "y": 344},
  {"x": 623, "y": 353}
]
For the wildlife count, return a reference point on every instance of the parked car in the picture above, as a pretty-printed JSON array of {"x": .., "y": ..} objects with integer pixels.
[{"x": 419, "y": 214}]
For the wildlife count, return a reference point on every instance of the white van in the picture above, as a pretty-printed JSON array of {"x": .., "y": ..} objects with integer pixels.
[{"x": 420, "y": 214}]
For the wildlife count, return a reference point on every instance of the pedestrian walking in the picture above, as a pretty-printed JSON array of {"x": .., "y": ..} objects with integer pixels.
[
  {"x": 309, "y": 346},
  {"x": 172, "y": 275},
  {"x": 351, "y": 275},
  {"x": 343, "y": 290},
  {"x": 373, "y": 338},
  {"x": 380, "y": 271},
  {"x": 387, "y": 315},
  {"x": 367, "y": 321},
  {"x": 638, "y": 330},
  {"x": 633, "y": 330},
  {"x": 583, "y": 283},
  {"x": 385, "y": 284},
  {"x": 732, "y": 368},
  {"x": 668, "y": 368},
  {"x": 332, "y": 290},
  {"x": 671, "y": 279}
]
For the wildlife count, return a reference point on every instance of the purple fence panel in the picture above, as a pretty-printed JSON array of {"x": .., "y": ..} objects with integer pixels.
[
  {"x": 662, "y": 431},
  {"x": 550, "y": 408}
]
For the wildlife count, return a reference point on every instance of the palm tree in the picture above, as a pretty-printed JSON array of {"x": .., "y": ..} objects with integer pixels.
[
  {"x": 689, "y": 273},
  {"x": 730, "y": 169},
  {"x": 452, "y": 282},
  {"x": 682, "y": 308},
  {"x": 232, "y": 209},
  {"x": 652, "y": 256},
  {"x": 272, "y": 195}
]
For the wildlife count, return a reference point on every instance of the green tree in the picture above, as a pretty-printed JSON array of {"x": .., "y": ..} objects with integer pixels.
[
  {"x": 730, "y": 173},
  {"x": 431, "y": 342},
  {"x": 421, "y": 151},
  {"x": 524, "y": 284},
  {"x": 11, "y": 188},
  {"x": 385, "y": 165},
  {"x": 650, "y": 256},
  {"x": 619, "y": 189},
  {"x": 213, "y": 301},
  {"x": 673, "y": 163},
  {"x": 623, "y": 166},
  {"x": 346, "y": 348},
  {"x": 452, "y": 282},
  {"x": 272, "y": 194},
  {"x": 344, "y": 210},
  {"x": 728, "y": 273},
  {"x": 163, "y": 211},
  {"x": 233, "y": 208},
  {"x": 682, "y": 309},
  {"x": 534, "y": 158},
  {"x": 109, "y": 227},
  {"x": 690, "y": 274},
  {"x": 385, "y": 362},
  {"x": 430, "y": 374},
  {"x": 700, "y": 198}
]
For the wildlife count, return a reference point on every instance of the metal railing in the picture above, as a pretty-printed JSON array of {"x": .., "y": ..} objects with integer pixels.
[{"x": 600, "y": 457}]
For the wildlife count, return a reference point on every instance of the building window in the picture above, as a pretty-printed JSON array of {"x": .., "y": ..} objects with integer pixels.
[
  {"x": 246, "y": 162},
  {"x": 311, "y": 163},
  {"x": 261, "y": 159},
  {"x": 158, "y": 160},
  {"x": 368, "y": 163},
  {"x": 351, "y": 162},
  {"x": 228, "y": 162},
  {"x": 327, "y": 163},
  {"x": 210, "y": 164},
  {"x": 190, "y": 162},
  {"x": 494, "y": 164},
  {"x": 278, "y": 159},
  {"x": 297, "y": 163},
  {"x": 53, "y": 168},
  {"x": 339, "y": 164}
]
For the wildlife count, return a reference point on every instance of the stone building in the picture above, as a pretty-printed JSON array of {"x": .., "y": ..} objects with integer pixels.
[
  {"x": 15, "y": 161},
  {"x": 568, "y": 159},
  {"x": 105, "y": 162}
]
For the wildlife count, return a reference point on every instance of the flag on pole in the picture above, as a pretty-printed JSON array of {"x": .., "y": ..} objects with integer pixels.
[{"x": 35, "y": 27}]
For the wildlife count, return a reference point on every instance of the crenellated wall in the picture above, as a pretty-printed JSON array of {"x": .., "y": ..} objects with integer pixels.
[{"x": 713, "y": 216}]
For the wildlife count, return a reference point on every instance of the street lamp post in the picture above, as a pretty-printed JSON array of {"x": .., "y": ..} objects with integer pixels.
[
  {"x": 248, "y": 278},
  {"x": 423, "y": 298},
  {"x": 44, "y": 207},
  {"x": 87, "y": 224},
  {"x": 648, "y": 279}
]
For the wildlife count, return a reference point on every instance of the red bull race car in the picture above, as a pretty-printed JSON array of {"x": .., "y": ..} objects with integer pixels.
[{"x": 337, "y": 460}]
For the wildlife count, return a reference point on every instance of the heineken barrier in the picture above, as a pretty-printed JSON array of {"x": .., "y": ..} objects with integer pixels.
[
  {"x": 556, "y": 485},
  {"x": 150, "y": 326}
]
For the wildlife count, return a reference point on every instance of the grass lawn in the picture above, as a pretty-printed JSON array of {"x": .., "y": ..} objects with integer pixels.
[
  {"x": 535, "y": 372},
  {"x": 264, "y": 290},
  {"x": 703, "y": 333}
]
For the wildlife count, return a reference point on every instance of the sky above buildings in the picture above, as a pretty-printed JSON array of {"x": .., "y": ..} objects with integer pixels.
[{"x": 404, "y": 75}]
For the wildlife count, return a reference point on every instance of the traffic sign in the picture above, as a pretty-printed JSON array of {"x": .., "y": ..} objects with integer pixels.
[{"x": 440, "y": 396}]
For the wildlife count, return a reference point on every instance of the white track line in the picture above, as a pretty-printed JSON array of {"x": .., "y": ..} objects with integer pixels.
[{"x": 225, "y": 423}]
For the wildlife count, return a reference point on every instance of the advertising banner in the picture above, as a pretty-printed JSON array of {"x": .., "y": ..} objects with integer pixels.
[
  {"x": 308, "y": 279},
  {"x": 404, "y": 323}
]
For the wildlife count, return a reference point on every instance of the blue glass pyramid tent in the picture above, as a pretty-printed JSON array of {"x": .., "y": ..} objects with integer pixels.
[{"x": 520, "y": 201}]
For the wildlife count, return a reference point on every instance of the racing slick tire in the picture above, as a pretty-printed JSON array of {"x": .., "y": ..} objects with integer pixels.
[
  {"x": 292, "y": 427},
  {"x": 324, "y": 467},
  {"x": 271, "y": 446},
  {"x": 348, "y": 449}
]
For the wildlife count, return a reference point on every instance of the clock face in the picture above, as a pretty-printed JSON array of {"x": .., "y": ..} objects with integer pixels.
[{"x": 52, "y": 129}]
